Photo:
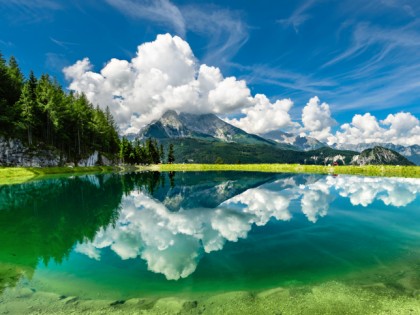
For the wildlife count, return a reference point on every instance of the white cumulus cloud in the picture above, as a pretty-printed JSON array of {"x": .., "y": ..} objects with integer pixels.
[
  {"x": 164, "y": 75},
  {"x": 401, "y": 128},
  {"x": 264, "y": 116},
  {"x": 316, "y": 119}
]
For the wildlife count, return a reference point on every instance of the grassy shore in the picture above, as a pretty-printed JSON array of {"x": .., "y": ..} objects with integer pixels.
[
  {"x": 368, "y": 170},
  {"x": 15, "y": 175}
]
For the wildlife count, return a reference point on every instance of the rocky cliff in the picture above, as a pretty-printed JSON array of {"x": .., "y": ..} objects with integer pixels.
[{"x": 14, "y": 153}]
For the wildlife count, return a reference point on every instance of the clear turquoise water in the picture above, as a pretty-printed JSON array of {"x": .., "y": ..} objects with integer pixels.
[{"x": 150, "y": 234}]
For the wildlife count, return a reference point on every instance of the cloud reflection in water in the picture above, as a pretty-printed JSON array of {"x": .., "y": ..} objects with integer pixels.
[{"x": 172, "y": 242}]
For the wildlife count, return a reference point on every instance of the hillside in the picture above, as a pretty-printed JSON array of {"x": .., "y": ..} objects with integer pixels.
[
  {"x": 412, "y": 153},
  {"x": 303, "y": 143},
  {"x": 190, "y": 150},
  {"x": 380, "y": 156}
]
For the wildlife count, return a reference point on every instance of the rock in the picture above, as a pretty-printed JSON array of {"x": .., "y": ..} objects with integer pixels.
[
  {"x": 90, "y": 161},
  {"x": 14, "y": 153},
  {"x": 119, "y": 302}
]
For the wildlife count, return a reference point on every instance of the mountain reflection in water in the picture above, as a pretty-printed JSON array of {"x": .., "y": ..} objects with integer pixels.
[
  {"x": 172, "y": 221},
  {"x": 171, "y": 228}
]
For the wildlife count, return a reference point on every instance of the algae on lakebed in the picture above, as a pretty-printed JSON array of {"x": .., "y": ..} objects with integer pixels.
[{"x": 326, "y": 298}]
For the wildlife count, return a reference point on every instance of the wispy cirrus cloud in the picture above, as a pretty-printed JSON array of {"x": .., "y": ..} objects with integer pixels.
[
  {"x": 160, "y": 11},
  {"x": 299, "y": 16},
  {"x": 31, "y": 10},
  {"x": 225, "y": 30},
  {"x": 55, "y": 62},
  {"x": 366, "y": 36},
  {"x": 63, "y": 44},
  {"x": 6, "y": 43}
]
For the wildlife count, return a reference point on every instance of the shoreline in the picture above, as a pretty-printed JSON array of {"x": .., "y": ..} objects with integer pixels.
[
  {"x": 368, "y": 170},
  {"x": 17, "y": 175},
  {"x": 331, "y": 297}
]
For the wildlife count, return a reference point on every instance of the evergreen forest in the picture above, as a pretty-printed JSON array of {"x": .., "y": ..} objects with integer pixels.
[{"x": 41, "y": 114}]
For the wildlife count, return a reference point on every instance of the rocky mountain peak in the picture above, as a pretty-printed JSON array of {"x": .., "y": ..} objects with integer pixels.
[
  {"x": 380, "y": 155},
  {"x": 203, "y": 126}
]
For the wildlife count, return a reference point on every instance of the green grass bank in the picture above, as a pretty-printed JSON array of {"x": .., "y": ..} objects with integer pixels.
[
  {"x": 368, "y": 170},
  {"x": 16, "y": 175}
]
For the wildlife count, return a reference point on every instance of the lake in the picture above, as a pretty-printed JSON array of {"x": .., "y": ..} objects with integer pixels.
[{"x": 209, "y": 243}]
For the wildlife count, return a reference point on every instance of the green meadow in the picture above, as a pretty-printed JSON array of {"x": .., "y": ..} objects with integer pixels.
[
  {"x": 368, "y": 170},
  {"x": 15, "y": 175}
]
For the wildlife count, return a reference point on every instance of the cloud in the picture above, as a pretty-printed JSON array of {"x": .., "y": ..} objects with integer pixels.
[
  {"x": 160, "y": 11},
  {"x": 173, "y": 242},
  {"x": 398, "y": 192},
  {"x": 316, "y": 200},
  {"x": 62, "y": 44},
  {"x": 55, "y": 62},
  {"x": 401, "y": 128},
  {"x": 166, "y": 75},
  {"x": 78, "y": 69},
  {"x": 6, "y": 43},
  {"x": 225, "y": 29},
  {"x": 298, "y": 17},
  {"x": 30, "y": 11},
  {"x": 316, "y": 119},
  {"x": 264, "y": 116},
  {"x": 366, "y": 35}
]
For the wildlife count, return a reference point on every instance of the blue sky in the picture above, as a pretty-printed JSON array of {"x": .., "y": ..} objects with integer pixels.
[{"x": 358, "y": 56}]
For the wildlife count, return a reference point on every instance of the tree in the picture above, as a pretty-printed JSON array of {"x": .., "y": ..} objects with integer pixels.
[
  {"x": 171, "y": 156},
  {"x": 161, "y": 153},
  {"x": 11, "y": 83},
  {"x": 40, "y": 111},
  {"x": 27, "y": 104},
  {"x": 16, "y": 80}
]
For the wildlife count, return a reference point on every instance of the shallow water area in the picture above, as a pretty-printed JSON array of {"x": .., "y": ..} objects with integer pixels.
[{"x": 213, "y": 242}]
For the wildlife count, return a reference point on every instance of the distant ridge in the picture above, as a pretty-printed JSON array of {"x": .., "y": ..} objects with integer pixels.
[
  {"x": 412, "y": 152},
  {"x": 303, "y": 143},
  {"x": 205, "y": 138},
  {"x": 380, "y": 156}
]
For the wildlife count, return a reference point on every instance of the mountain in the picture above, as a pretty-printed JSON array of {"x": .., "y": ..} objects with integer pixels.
[
  {"x": 206, "y": 139},
  {"x": 412, "y": 153},
  {"x": 380, "y": 156},
  {"x": 206, "y": 126},
  {"x": 301, "y": 143},
  {"x": 192, "y": 150},
  {"x": 185, "y": 190}
]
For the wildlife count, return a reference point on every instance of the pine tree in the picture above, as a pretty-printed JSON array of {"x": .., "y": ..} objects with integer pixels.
[
  {"x": 161, "y": 153},
  {"x": 171, "y": 156},
  {"x": 5, "y": 120},
  {"x": 16, "y": 80},
  {"x": 41, "y": 112},
  {"x": 27, "y": 104}
]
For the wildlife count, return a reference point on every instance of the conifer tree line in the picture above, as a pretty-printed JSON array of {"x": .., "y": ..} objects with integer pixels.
[
  {"x": 39, "y": 113},
  {"x": 148, "y": 152}
]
